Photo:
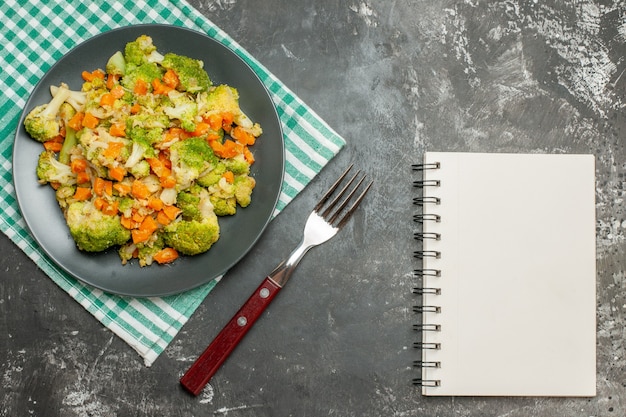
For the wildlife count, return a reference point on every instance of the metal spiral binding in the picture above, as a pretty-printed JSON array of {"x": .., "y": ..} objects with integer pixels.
[
  {"x": 423, "y": 236},
  {"x": 426, "y": 382},
  {"x": 421, "y": 254},
  {"x": 422, "y": 291},
  {"x": 423, "y": 167},
  {"x": 426, "y": 309},
  {"x": 427, "y": 364},
  {"x": 427, "y": 272},
  {"x": 427, "y": 327},
  {"x": 420, "y": 201},
  {"x": 421, "y": 218}
]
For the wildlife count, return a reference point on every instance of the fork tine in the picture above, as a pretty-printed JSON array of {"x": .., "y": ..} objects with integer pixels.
[
  {"x": 332, "y": 189},
  {"x": 337, "y": 215},
  {"x": 354, "y": 205}
]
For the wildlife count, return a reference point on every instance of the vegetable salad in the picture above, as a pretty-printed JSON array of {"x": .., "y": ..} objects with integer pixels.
[{"x": 146, "y": 156}]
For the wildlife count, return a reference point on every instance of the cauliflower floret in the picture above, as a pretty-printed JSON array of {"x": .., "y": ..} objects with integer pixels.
[
  {"x": 50, "y": 170},
  {"x": 92, "y": 230},
  {"x": 183, "y": 108},
  {"x": 43, "y": 122}
]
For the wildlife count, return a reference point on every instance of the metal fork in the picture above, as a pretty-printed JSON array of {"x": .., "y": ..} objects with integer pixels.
[{"x": 326, "y": 219}]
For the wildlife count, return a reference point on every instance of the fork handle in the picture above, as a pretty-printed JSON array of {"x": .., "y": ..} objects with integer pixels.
[{"x": 199, "y": 374}]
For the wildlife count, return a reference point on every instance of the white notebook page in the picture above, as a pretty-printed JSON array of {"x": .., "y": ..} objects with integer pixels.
[{"x": 518, "y": 306}]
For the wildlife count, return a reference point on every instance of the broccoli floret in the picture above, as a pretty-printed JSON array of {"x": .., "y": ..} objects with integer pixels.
[
  {"x": 243, "y": 189},
  {"x": 221, "y": 99},
  {"x": 189, "y": 205},
  {"x": 148, "y": 121},
  {"x": 140, "y": 51},
  {"x": 191, "y": 237},
  {"x": 65, "y": 195},
  {"x": 125, "y": 206},
  {"x": 182, "y": 107},
  {"x": 49, "y": 169},
  {"x": 43, "y": 123},
  {"x": 225, "y": 99},
  {"x": 141, "y": 169},
  {"x": 191, "y": 75},
  {"x": 92, "y": 230},
  {"x": 237, "y": 165},
  {"x": 190, "y": 158},
  {"x": 147, "y": 72},
  {"x": 213, "y": 176},
  {"x": 224, "y": 206},
  {"x": 116, "y": 65},
  {"x": 142, "y": 141}
]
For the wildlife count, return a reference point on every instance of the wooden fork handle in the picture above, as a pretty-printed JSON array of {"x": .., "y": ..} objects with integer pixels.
[{"x": 199, "y": 374}]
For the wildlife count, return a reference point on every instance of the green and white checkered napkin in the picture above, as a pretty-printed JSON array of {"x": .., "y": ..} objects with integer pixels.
[{"x": 34, "y": 35}]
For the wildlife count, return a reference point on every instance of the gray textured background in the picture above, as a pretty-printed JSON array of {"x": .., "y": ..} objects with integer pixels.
[{"x": 395, "y": 78}]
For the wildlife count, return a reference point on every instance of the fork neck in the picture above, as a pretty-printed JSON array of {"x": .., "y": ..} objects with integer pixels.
[{"x": 281, "y": 274}]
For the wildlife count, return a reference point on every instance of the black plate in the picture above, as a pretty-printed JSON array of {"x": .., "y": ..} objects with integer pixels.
[{"x": 238, "y": 233}]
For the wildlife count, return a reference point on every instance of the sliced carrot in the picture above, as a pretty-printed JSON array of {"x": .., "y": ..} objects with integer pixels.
[
  {"x": 98, "y": 186},
  {"x": 139, "y": 190},
  {"x": 52, "y": 145},
  {"x": 138, "y": 217},
  {"x": 214, "y": 120},
  {"x": 135, "y": 108},
  {"x": 155, "y": 203},
  {"x": 113, "y": 149},
  {"x": 141, "y": 87},
  {"x": 227, "y": 121},
  {"x": 166, "y": 255},
  {"x": 90, "y": 121},
  {"x": 165, "y": 158},
  {"x": 102, "y": 187},
  {"x": 107, "y": 99},
  {"x": 156, "y": 165},
  {"x": 99, "y": 203},
  {"x": 90, "y": 76},
  {"x": 128, "y": 223},
  {"x": 122, "y": 189},
  {"x": 170, "y": 79},
  {"x": 140, "y": 235},
  {"x": 243, "y": 136},
  {"x": 163, "y": 219},
  {"x": 229, "y": 176},
  {"x": 78, "y": 165},
  {"x": 76, "y": 122},
  {"x": 117, "y": 173},
  {"x": 159, "y": 88},
  {"x": 149, "y": 224},
  {"x": 228, "y": 149},
  {"x": 202, "y": 128},
  {"x": 248, "y": 156},
  {"x": 82, "y": 193},
  {"x": 118, "y": 130},
  {"x": 82, "y": 177},
  {"x": 112, "y": 81},
  {"x": 117, "y": 91},
  {"x": 168, "y": 181},
  {"x": 171, "y": 211},
  {"x": 111, "y": 209}
]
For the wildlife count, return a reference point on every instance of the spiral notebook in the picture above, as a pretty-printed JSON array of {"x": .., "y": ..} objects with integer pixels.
[{"x": 506, "y": 272}]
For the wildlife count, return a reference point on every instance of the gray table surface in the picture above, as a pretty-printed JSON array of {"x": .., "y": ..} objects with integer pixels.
[{"x": 395, "y": 78}]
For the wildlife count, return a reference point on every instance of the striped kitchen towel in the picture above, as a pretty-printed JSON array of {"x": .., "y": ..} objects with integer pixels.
[{"x": 35, "y": 34}]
